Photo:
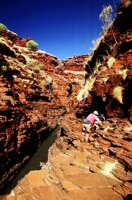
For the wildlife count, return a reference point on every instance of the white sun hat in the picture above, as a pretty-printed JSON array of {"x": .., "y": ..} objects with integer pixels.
[{"x": 96, "y": 112}]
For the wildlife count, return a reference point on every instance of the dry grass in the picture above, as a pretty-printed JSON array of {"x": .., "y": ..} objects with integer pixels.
[
  {"x": 117, "y": 93},
  {"x": 123, "y": 73},
  {"x": 105, "y": 79},
  {"x": 97, "y": 66},
  {"x": 110, "y": 62},
  {"x": 83, "y": 93},
  {"x": 128, "y": 128},
  {"x": 96, "y": 43}
]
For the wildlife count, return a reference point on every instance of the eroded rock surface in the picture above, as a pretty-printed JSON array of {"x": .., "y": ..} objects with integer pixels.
[
  {"x": 38, "y": 92},
  {"x": 111, "y": 64},
  {"x": 35, "y": 90},
  {"x": 79, "y": 170}
]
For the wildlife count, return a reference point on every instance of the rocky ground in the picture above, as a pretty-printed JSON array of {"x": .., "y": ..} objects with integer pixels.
[{"x": 77, "y": 170}]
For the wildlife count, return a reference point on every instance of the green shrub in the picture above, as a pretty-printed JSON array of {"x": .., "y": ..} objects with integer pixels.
[
  {"x": 3, "y": 28},
  {"x": 32, "y": 45},
  {"x": 4, "y": 68}
]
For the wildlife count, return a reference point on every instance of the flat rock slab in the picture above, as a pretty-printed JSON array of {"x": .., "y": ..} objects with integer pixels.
[
  {"x": 91, "y": 180},
  {"x": 95, "y": 194}
]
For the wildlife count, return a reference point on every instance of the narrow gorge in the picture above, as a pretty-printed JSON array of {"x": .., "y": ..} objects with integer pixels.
[{"x": 41, "y": 95}]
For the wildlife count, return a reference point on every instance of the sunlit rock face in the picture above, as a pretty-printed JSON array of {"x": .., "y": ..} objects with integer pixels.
[
  {"x": 38, "y": 92},
  {"x": 29, "y": 108},
  {"x": 35, "y": 90}
]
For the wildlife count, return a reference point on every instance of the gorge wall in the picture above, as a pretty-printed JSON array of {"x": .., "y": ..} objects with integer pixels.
[
  {"x": 111, "y": 64},
  {"x": 35, "y": 90},
  {"x": 38, "y": 92}
]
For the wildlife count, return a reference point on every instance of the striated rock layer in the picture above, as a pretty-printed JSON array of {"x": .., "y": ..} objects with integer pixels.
[
  {"x": 35, "y": 90},
  {"x": 111, "y": 64},
  {"x": 78, "y": 170},
  {"x": 29, "y": 109},
  {"x": 38, "y": 92}
]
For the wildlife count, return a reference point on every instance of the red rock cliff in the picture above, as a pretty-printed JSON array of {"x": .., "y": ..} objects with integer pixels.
[
  {"x": 36, "y": 90},
  {"x": 29, "y": 108},
  {"x": 110, "y": 64}
]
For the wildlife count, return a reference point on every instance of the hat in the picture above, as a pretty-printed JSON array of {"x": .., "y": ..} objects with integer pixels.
[{"x": 96, "y": 112}]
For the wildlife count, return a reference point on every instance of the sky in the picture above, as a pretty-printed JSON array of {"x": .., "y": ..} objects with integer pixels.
[{"x": 63, "y": 28}]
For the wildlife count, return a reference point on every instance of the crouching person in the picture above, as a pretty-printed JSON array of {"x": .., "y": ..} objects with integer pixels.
[{"x": 91, "y": 122}]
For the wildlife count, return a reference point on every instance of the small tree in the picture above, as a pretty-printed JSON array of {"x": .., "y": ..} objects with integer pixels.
[
  {"x": 3, "y": 28},
  {"x": 32, "y": 45},
  {"x": 106, "y": 16}
]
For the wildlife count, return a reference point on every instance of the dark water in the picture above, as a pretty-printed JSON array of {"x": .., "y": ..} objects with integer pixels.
[{"x": 41, "y": 155}]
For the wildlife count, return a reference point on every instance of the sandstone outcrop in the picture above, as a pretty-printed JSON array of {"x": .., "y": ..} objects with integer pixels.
[
  {"x": 78, "y": 170},
  {"x": 111, "y": 64},
  {"x": 38, "y": 93},
  {"x": 29, "y": 109},
  {"x": 35, "y": 90}
]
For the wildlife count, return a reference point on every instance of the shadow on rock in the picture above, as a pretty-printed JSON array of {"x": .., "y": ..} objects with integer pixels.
[{"x": 128, "y": 197}]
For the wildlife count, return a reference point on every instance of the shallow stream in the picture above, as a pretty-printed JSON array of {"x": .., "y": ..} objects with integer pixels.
[{"x": 40, "y": 156}]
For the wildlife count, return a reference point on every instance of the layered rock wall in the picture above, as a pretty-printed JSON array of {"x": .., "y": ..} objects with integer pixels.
[
  {"x": 111, "y": 66},
  {"x": 79, "y": 170},
  {"x": 36, "y": 90},
  {"x": 29, "y": 109}
]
